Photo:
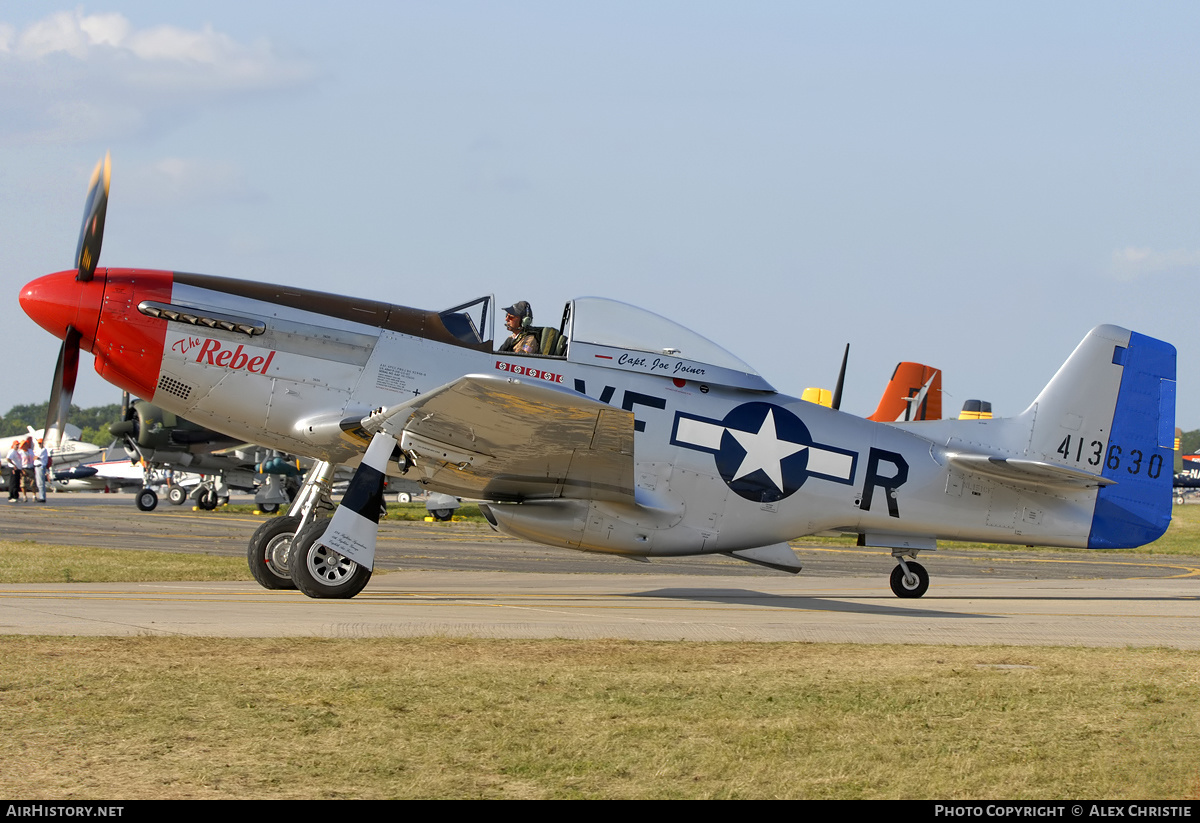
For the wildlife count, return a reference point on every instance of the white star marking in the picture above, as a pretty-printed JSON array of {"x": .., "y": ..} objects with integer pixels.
[{"x": 764, "y": 450}]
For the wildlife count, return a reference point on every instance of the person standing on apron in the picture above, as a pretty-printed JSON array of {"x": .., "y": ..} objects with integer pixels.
[
  {"x": 41, "y": 467},
  {"x": 14, "y": 466}
]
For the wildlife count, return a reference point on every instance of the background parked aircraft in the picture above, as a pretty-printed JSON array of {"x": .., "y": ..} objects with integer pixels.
[
  {"x": 1187, "y": 471},
  {"x": 67, "y": 452},
  {"x": 914, "y": 392}
]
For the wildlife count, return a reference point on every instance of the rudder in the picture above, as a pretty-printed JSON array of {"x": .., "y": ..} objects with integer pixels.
[{"x": 1136, "y": 509}]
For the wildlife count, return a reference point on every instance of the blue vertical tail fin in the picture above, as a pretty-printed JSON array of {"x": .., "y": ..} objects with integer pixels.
[
  {"x": 1136, "y": 508},
  {"x": 1110, "y": 411}
]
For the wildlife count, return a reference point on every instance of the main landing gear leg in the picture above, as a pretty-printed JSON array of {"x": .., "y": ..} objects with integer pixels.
[
  {"x": 271, "y": 544},
  {"x": 317, "y": 567},
  {"x": 909, "y": 579}
]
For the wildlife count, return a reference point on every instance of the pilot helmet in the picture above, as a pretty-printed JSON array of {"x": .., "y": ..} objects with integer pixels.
[{"x": 522, "y": 310}]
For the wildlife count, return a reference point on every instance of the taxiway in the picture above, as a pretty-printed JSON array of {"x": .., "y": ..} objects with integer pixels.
[{"x": 464, "y": 580}]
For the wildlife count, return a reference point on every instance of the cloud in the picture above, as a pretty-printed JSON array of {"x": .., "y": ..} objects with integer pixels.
[
  {"x": 61, "y": 73},
  {"x": 1132, "y": 263}
]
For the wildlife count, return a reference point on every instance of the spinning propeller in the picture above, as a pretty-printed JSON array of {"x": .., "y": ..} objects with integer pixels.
[{"x": 87, "y": 252}]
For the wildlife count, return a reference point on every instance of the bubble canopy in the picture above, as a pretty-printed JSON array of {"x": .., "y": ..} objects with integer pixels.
[{"x": 612, "y": 334}]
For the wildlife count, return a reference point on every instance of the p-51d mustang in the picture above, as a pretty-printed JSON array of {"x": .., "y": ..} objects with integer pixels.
[{"x": 629, "y": 434}]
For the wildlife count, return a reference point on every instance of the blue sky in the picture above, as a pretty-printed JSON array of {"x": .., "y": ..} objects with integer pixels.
[{"x": 972, "y": 185}]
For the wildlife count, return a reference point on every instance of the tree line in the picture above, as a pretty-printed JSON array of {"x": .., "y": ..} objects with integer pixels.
[{"x": 93, "y": 422}]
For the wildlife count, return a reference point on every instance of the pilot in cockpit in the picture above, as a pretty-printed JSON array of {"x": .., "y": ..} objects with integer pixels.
[{"x": 519, "y": 320}]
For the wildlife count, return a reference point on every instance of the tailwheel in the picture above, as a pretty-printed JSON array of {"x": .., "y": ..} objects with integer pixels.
[
  {"x": 914, "y": 583},
  {"x": 319, "y": 571}
]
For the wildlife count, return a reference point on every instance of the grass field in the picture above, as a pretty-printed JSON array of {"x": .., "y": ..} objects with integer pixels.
[
  {"x": 29, "y": 562},
  {"x": 204, "y": 718}
]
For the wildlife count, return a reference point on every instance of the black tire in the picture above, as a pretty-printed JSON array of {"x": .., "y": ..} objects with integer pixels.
[
  {"x": 269, "y": 508},
  {"x": 176, "y": 495},
  {"x": 147, "y": 500},
  {"x": 442, "y": 514},
  {"x": 902, "y": 589},
  {"x": 269, "y": 550},
  {"x": 318, "y": 571},
  {"x": 207, "y": 499}
]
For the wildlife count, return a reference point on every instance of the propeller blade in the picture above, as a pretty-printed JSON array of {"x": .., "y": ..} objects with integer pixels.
[
  {"x": 837, "y": 392},
  {"x": 63, "y": 389},
  {"x": 91, "y": 234}
]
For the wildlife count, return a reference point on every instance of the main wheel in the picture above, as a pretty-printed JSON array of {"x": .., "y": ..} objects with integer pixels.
[
  {"x": 403, "y": 497},
  {"x": 268, "y": 552},
  {"x": 176, "y": 495},
  {"x": 319, "y": 571},
  {"x": 147, "y": 500},
  {"x": 903, "y": 588},
  {"x": 442, "y": 514},
  {"x": 207, "y": 499},
  {"x": 268, "y": 508}
]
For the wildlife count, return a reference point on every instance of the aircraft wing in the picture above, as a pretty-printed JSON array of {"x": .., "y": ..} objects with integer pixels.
[
  {"x": 1034, "y": 473},
  {"x": 499, "y": 438}
]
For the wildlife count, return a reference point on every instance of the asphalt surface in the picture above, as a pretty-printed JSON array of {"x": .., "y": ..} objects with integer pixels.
[{"x": 463, "y": 579}]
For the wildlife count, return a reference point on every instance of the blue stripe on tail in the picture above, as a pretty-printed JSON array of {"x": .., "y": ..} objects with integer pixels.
[{"x": 1136, "y": 509}]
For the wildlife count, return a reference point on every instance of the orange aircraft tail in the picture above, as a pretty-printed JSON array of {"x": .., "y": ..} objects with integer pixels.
[{"x": 914, "y": 393}]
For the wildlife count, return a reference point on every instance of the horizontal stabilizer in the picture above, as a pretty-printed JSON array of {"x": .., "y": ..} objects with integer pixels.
[{"x": 1034, "y": 473}]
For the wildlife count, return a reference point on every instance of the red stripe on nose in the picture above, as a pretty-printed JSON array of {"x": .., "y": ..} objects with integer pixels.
[{"x": 129, "y": 344}]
